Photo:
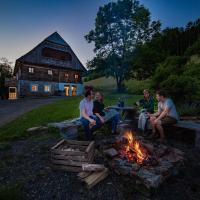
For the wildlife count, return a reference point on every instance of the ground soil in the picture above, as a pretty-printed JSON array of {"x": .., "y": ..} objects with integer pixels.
[{"x": 25, "y": 166}]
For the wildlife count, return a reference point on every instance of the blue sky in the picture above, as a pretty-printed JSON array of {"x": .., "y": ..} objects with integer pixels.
[{"x": 25, "y": 23}]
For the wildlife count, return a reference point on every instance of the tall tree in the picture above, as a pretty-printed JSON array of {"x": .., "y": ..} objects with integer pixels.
[
  {"x": 5, "y": 72},
  {"x": 119, "y": 27}
]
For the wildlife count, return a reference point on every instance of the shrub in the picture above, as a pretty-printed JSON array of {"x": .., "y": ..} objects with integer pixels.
[
  {"x": 194, "y": 49},
  {"x": 180, "y": 80}
]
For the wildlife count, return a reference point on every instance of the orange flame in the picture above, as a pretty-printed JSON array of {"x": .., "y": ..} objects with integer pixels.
[
  {"x": 140, "y": 156},
  {"x": 133, "y": 150}
]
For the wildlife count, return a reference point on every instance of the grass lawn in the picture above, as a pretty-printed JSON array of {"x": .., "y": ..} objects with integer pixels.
[{"x": 57, "y": 111}]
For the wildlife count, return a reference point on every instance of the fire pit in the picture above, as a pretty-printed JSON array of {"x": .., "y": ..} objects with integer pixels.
[{"x": 148, "y": 163}]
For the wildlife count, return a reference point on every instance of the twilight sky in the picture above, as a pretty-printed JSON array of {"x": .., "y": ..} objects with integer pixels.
[{"x": 25, "y": 23}]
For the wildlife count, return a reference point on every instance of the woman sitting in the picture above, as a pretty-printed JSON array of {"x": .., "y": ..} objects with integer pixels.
[
  {"x": 147, "y": 104},
  {"x": 105, "y": 114}
]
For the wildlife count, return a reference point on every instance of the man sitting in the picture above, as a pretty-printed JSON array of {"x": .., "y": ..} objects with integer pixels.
[
  {"x": 88, "y": 119},
  {"x": 166, "y": 115}
]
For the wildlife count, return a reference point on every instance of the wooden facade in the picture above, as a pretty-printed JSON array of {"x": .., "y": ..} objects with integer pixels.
[{"x": 50, "y": 68}]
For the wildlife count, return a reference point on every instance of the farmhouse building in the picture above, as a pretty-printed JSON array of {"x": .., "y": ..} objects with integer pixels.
[{"x": 51, "y": 68}]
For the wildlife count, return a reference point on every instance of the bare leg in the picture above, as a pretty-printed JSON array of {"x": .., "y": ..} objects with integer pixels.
[
  {"x": 152, "y": 119},
  {"x": 160, "y": 130}
]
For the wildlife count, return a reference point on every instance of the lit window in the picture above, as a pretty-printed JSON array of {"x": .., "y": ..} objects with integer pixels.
[
  {"x": 66, "y": 75},
  {"x": 34, "y": 88},
  {"x": 76, "y": 76},
  {"x": 47, "y": 88},
  {"x": 31, "y": 70},
  {"x": 50, "y": 72}
]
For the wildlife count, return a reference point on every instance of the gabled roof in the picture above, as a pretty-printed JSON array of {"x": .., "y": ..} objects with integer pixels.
[
  {"x": 56, "y": 42},
  {"x": 57, "y": 39}
]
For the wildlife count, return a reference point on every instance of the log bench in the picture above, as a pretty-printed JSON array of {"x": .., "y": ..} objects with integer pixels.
[{"x": 190, "y": 125}]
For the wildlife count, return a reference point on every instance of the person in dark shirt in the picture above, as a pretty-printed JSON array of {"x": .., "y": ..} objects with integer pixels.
[
  {"x": 147, "y": 102},
  {"x": 147, "y": 105},
  {"x": 104, "y": 114}
]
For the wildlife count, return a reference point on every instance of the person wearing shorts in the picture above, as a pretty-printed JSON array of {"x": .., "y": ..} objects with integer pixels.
[{"x": 166, "y": 115}]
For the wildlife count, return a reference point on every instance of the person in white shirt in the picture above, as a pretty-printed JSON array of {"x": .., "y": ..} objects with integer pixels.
[
  {"x": 166, "y": 115},
  {"x": 89, "y": 121}
]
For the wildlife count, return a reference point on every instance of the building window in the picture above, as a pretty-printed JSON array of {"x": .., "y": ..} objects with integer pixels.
[
  {"x": 31, "y": 70},
  {"x": 47, "y": 88},
  {"x": 76, "y": 77},
  {"x": 34, "y": 88},
  {"x": 66, "y": 77},
  {"x": 50, "y": 72}
]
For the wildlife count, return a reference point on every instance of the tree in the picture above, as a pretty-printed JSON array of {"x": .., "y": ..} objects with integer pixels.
[
  {"x": 119, "y": 27},
  {"x": 5, "y": 72}
]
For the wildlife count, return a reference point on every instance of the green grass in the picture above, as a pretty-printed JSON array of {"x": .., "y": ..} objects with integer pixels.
[
  {"x": 54, "y": 112},
  {"x": 109, "y": 85},
  {"x": 12, "y": 192}
]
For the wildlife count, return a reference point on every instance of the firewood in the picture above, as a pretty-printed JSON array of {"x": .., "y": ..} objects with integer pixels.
[
  {"x": 92, "y": 167},
  {"x": 83, "y": 175},
  {"x": 111, "y": 152},
  {"x": 95, "y": 178}
]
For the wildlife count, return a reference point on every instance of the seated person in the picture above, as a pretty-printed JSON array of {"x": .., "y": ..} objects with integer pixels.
[
  {"x": 147, "y": 104},
  {"x": 166, "y": 115},
  {"x": 87, "y": 118},
  {"x": 104, "y": 114}
]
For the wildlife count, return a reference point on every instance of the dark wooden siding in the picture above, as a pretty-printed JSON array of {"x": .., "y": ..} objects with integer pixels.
[{"x": 41, "y": 74}]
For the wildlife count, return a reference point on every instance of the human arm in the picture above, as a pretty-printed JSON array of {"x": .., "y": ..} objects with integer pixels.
[
  {"x": 84, "y": 115},
  {"x": 100, "y": 117}
]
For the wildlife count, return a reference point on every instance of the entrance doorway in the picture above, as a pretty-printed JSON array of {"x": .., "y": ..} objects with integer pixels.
[
  {"x": 66, "y": 90},
  {"x": 74, "y": 89},
  {"x": 12, "y": 93}
]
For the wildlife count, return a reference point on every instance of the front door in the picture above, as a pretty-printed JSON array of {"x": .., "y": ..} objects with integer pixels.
[
  {"x": 12, "y": 93},
  {"x": 66, "y": 90},
  {"x": 74, "y": 90}
]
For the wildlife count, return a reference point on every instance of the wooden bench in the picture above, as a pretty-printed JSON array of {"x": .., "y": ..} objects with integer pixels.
[{"x": 191, "y": 125}]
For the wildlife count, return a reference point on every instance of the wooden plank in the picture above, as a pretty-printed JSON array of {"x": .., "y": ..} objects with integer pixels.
[
  {"x": 188, "y": 125},
  {"x": 58, "y": 144},
  {"x": 78, "y": 142},
  {"x": 92, "y": 167},
  {"x": 67, "y": 157},
  {"x": 95, "y": 178},
  {"x": 83, "y": 175},
  {"x": 66, "y": 168},
  {"x": 74, "y": 147},
  {"x": 91, "y": 154},
  {"x": 68, "y": 162},
  {"x": 70, "y": 153},
  {"x": 90, "y": 147}
]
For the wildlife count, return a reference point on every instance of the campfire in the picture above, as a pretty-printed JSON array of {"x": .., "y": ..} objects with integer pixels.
[
  {"x": 148, "y": 162},
  {"x": 131, "y": 149}
]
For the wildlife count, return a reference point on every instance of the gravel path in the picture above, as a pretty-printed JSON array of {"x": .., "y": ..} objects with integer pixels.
[{"x": 11, "y": 109}]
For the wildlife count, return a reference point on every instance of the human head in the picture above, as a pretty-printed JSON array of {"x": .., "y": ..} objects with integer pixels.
[
  {"x": 160, "y": 95},
  {"x": 146, "y": 94},
  {"x": 99, "y": 96},
  {"x": 89, "y": 93}
]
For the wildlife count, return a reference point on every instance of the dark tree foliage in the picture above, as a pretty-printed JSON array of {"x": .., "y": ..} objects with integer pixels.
[
  {"x": 170, "y": 42},
  {"x": 5, "y": 72}
]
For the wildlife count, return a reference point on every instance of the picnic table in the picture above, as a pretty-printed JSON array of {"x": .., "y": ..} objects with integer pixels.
[{"x": 127, "y": 112}]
